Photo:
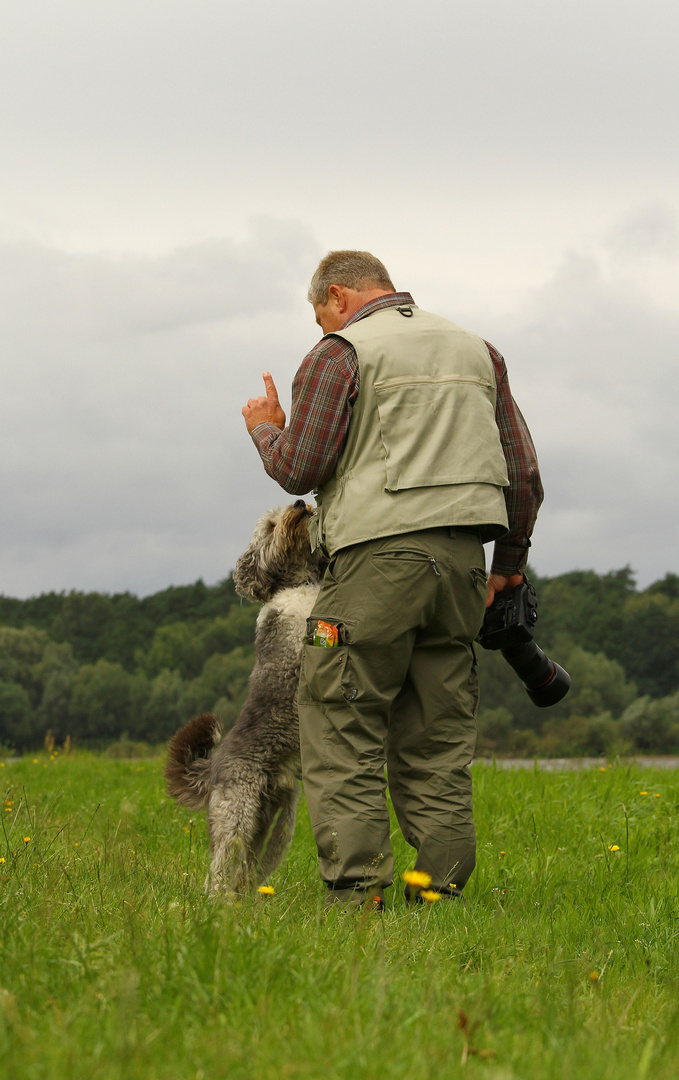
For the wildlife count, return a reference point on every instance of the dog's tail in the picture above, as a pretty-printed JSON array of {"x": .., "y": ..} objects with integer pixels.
[{"x": 187, "y": 770}]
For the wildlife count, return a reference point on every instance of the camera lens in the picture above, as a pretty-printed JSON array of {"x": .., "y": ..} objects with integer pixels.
[{"x": 544, "y": 681}]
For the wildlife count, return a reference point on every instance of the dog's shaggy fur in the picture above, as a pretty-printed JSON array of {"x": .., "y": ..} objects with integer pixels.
[{"x": 249, "y": 778}]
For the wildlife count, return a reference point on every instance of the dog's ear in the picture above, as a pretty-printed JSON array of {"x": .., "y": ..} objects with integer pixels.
[{"x": 249, "y": 579}]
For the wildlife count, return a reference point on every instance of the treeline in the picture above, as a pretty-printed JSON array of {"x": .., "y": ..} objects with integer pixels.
[
  {"x": 621, "y": 647},
  {"x": 95, "y": 668}
]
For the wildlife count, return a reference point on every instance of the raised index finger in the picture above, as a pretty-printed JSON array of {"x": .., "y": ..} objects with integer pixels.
[{"x": 271, "y": 391}]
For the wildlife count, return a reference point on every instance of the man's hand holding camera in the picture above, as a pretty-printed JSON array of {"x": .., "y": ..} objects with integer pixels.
[{"x": 497, "y": 584}]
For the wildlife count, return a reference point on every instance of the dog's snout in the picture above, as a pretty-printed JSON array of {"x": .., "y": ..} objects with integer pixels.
[{"x": 299, "y": 505}]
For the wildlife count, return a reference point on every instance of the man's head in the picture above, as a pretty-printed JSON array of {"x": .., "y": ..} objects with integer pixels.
[{"x": 343, "y": 283}]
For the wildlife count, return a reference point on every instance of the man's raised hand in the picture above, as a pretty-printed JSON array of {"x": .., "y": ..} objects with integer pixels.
[{"x": 264, "y": 410}]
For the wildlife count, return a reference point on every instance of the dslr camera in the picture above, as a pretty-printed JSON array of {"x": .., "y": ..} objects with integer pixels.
[{"x": 509, "y": 626}]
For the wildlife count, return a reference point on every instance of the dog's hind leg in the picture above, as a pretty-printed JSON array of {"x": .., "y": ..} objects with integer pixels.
[
  {"x": 234, "y": 821},
  {"x": 279, "y": 834}
]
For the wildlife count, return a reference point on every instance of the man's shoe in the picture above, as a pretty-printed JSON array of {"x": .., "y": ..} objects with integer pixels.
[
  {"x": 446, "y": 892},
  {"x": 356, "y": 901}
]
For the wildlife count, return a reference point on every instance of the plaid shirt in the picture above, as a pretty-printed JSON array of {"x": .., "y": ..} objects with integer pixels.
[{"x": 305, "y": 454}]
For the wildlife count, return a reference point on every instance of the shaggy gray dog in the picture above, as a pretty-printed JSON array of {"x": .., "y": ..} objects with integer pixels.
[{"x": 249, "y": 778}]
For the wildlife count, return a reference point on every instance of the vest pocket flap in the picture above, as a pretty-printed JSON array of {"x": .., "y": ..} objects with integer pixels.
[{"x": 439, "y": 430}]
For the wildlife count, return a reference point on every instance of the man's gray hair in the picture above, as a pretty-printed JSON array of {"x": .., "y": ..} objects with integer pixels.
[{"x": 354, "y": 269}]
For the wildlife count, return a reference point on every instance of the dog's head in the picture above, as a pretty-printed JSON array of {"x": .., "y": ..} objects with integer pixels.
[{"x": 279, "y": 555}]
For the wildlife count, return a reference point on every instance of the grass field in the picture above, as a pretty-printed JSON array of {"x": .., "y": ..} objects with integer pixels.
[{"x": 113, "y": 964}]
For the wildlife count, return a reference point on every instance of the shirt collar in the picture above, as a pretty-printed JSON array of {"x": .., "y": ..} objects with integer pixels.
[{"x": 390, "y": 300}]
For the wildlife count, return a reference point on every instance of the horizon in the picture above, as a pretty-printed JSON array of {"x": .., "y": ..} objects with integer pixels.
[{"x": 533, "y": 572}]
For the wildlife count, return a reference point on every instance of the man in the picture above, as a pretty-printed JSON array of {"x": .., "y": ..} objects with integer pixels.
[{"x": 404, "y": 426}]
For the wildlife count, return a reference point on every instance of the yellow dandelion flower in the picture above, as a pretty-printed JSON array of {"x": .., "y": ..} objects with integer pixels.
[
  {"x": 2, "y": 764},
  {"x": 35, "y": 761},
  {"x": 27, "y": 839},
  {"x": 266, "y": 890},
  {"x": 602, "y": 768},
  {"x": 419, "y": 878},
  {"x": 643, "y": 793},
  {"x": 594, "y": 976},
  {"x": 430, "y": 896},
  {"x": 8, "y": 809},
  {"x": 76, "y": 843},
  {"x": 657, "y": 795},
  {"x": 503, "y": 853},
  {"x": 2, "y": 858},
  {"x": 613, "y": 847}
]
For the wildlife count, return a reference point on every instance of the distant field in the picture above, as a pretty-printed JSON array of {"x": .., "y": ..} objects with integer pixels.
[{"x": 113, "y": 964}]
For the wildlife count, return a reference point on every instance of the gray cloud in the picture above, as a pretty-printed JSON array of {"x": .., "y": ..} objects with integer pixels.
[
  {"x": 647, "y": 231},
  {"x": 96, "y": 297},
  {"x": 121, "y": 434},
  {"x": 593, "y": 362}
]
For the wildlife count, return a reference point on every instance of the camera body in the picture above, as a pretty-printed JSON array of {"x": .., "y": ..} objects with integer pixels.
[
  {"x": 510, "y": 619},
  {"x": 508, "y": 626}
]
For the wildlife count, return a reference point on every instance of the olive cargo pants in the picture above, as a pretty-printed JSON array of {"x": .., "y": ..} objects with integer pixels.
[{"x": 400, "y": 689}]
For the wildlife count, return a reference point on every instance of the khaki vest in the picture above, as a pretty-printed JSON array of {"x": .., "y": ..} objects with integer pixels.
[{"x": 423, "y": 448}]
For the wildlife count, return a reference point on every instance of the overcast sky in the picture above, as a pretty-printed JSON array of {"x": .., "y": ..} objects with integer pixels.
[{"x": 172, "y": 171}]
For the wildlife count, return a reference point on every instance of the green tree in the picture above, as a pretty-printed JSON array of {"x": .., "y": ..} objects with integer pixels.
[
  {"x": 582, "y": 736},
  {"x": 101, "y": 702},
  {"x": 653, "y": 724},
  {"x": 494, "y": 731},
  {"x": 667, "y": 586},
  {"x": 227, "y": 632},
  {"x": 83, "y": 620},
  {"x": 56, "y": 656},
  {"x": 227, "y": 674},
  {"x": 162, "y": 713},
  {"x": 597, "y": 685},
  {"x": 17, "y": 728},
  {"x": 20, "y": 651},
  {"x": 585, "y": 607},
  {"x": 650, "y": 649},
  {"x": 197, "y": 697},
  {"x": 175, "y": 647}
]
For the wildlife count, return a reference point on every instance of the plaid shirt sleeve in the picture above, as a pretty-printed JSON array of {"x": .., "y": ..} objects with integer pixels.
[
  {"x": 524, "y": 494},
  {"x": 304, "y": 455}
]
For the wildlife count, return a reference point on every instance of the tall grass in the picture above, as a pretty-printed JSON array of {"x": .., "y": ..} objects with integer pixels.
[{"x": 564, "y": 962}]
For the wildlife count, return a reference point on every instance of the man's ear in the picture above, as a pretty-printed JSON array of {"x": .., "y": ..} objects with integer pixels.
[{"x": 337, "y": 293}]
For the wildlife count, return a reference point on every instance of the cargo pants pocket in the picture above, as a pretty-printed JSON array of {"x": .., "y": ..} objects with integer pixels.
[{"x": 322, "y": 675}]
